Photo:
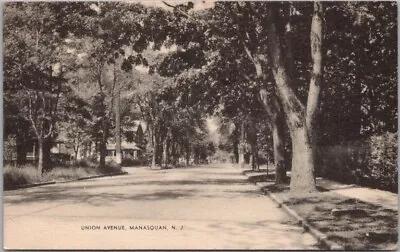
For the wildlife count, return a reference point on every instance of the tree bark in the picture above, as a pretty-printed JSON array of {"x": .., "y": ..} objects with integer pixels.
[
  {"x": 252, "y": 137},
  {"x": 241, "y": 148},
  {"x": 103, "y": 153},
  {"x": 76, "y": 147},
  {"x": 174, "y": 150},
  {"x": 236, "y": 150},
  {"x": 302, "y": 178},
  {"x": 279, "y": 148},
  {"x": 276, "y": 124},
  {"x": 254, "y": 157},
  {"x": 314, "y": 93},
  {"x": 154, "y": 141},
  {"x": 164, "y": 154},
  {"x": 40, "y": 155},
  {"x": 47, "y": 144},
  {"x": 20, "y": 146},
  {"x": 196, "y": 156},
  {"x": 118, "y": 154},
  {"x": 103, "y": 144},
  {"x": 188, "y": 154}
]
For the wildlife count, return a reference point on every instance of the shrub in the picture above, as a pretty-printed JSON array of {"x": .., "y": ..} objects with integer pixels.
[
  {"x": 69, "y": 173},
  {"x": 383, "y": 161},
  {"x": 60, "y": 159},
  {"x": 85, "y": 163},
  {"x": 370, "y": 162},
  {"x": 131, "y": 162},
  {"x": 14, "y": 176},
  {"x": 110, "y": 167}
]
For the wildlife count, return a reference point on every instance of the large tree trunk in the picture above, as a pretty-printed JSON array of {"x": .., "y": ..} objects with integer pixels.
[
  {"x": 47, "y": 144},
  {"x": 254, "y": 157},
  {"x": 252, "y": 136},
  {"x": 277, "y": 125},
  {"x": 41, "y": 156},
  {"x": 236, "y": 151},
  {"x": 241, "y": 148},
  {"x": 314, "y": 93},
  {"x": 279, "y": 148},
  {"x": 302, "y": 178},
  {"x": 21, "y": 149}
]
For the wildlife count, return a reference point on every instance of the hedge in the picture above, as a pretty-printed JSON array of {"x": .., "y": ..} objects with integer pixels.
[{"x": 371, "y": 162}]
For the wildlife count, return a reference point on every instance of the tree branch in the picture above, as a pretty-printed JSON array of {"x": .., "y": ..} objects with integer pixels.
[
  {"x": 179, "y": 10},
  {"x": 31, "y": 116},
  {"x": 49, "y": 132}
]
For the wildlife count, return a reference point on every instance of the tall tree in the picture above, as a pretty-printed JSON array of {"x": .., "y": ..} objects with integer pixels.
[
  {"x": 300, "y": 119},
  {"x": 33, "y": 68}
]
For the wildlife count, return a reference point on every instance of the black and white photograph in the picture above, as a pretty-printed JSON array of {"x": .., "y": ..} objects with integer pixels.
[{"x": 200, "y": 125}]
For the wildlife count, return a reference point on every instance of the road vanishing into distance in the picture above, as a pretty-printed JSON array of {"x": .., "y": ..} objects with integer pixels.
[{"x": 199, "y": 207}]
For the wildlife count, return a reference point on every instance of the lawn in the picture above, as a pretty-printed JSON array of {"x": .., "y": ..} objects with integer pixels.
[{"x": 16, "y": 176}]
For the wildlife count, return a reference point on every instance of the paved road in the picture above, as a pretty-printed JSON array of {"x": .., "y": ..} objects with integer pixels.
[{"x": 204, "y": 207}]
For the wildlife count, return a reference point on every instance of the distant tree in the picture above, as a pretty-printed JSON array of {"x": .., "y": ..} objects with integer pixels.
[
  {"x": 33, "y": 68},
  {"x": 76, "y": 124}
]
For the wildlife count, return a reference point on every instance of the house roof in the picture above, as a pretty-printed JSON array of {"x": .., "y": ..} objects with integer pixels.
[
  {"x": 125, "y": 146},
  {"x": 136, "y": 125}
]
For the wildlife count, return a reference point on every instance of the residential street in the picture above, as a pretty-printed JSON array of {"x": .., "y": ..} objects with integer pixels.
[{"x": 202, "y": 207}]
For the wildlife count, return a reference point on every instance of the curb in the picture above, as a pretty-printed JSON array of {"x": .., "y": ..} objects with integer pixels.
[
  {"x": 66, "y": 181},
  {"x": 98, "y": 176},
  {"x": 31, "y": 185},
  {"x": 321, "y": 237}
]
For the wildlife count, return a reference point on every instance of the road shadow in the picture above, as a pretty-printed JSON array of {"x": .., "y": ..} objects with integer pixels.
[
  {"x": 168, "y": 189},
  {"x": 257, "y": 171},
  {"x": 262, "y": 178}
]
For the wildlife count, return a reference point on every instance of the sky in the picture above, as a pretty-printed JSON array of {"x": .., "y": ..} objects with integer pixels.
[
  {"x": 198, "y": 5},
  {"x": 212, "y": 126}
]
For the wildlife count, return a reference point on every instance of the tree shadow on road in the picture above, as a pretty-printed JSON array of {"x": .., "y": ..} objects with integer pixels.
[{"x": 79, "y": 192}]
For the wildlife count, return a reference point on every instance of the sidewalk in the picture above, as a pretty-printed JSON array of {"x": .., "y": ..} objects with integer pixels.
[
  {"x": 340, "y": 216},
  {"x": 377, "y": 197}
]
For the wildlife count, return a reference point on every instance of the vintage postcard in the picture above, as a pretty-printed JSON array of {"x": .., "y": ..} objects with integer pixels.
[{"x": 131, "y": 125}]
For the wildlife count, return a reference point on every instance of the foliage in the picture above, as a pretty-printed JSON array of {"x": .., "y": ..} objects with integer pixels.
[
  {"x": 382, "y": 161},
  {"x": 131, "y": 162},
  {"x": 371, "y": 162},
  {"x": 15, "y": 176},
  {"x": 360, "y": 72},
  {"x": 33, "y": 64}
]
